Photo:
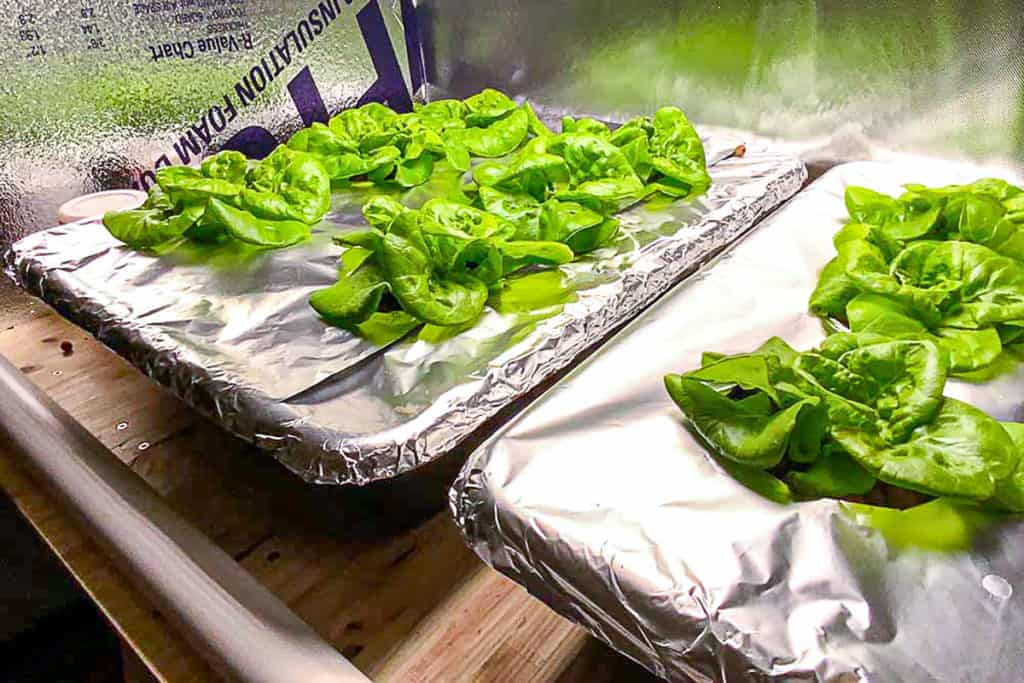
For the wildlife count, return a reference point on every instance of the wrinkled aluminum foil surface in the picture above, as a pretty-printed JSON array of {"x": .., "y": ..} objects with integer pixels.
[
  {"x": 230, "y": 330},
  {"x": 600, "y": 502}
]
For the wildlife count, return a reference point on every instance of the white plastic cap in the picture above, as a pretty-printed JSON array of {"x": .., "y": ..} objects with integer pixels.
[{"x": 98, "y": 203}]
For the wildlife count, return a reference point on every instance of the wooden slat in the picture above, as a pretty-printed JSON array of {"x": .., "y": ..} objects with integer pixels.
[
  {"x": 365, "y": 597},
  {"x": 485, "y": 629},
  {"x": 229, "y": 509},
  {"x": 120, "y": 406},
  {"x": 395, "y": 590}
]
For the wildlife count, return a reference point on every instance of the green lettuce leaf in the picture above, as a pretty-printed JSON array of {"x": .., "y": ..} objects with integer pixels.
[
  {"x": 736, "y": 431},
  {"x": 961, "y": 453},
  {"x": 419, "y": 287},
  {"x": 251, "y": 229},
  {"x": 497, "y": 138},
  {"x": 354, "y": 297},
  {"x": 833, "y": 475}
]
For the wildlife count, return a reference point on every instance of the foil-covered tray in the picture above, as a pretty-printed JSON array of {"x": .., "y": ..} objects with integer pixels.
[
  {"x": 231, "y": 332},
  {"x": 600, "y": 502}
]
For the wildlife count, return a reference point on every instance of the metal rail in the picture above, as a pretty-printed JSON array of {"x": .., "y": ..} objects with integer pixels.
[{"x": 244, "y": 631}]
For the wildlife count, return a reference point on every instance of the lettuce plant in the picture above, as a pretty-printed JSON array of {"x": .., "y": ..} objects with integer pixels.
[
  {"x": 544, "y": 199},
  {"x": 537, "y": 200},
  {"x": 436, "y": 265},
  {"x": 832, "y": 421},
  {"x": 938, "y": 264},
  {"x": 269, "y": 203}
]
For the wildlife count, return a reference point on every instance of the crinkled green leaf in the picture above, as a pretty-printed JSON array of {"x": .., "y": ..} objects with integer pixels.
[
  {"x": 990, "y": 286},
  {"x": 414, "y": 172},
  {"x": 747, "y": 371},
  {"x": 867, "y": 206},
  {"x": 836, "y": 288},
  {"x": 571, "y": 223},
  {"x": 498, "y": 138},
  {"x": 487, "y": 106},
  {"x": 590, "y": 157},
  {"x": 639, "y": 127},
  {"x": 606, "y": 196},
  {"x": 961, "y": 453},
  {"x": 322, "y": 142},
  {"x": 637, "y": 153},
  {"x": 227, "y": 165},
  {"x": 380, "y": 212},
  {"x": 362, "y": 123},
  {"x": 585, "y": 125},
  {"x": 288, "y": 185},
  {"x": 1010, "y": 490},
  {"x": 677, "y": 154},
  {"x": 187, "y": 185},
  {"x": 967, "y": 350},
  {"x": 532, "y": 172},
  {"x": 457, "y": 155},
  {"x": 522, "y": 210},
  {"x": 421, "y": 291},
  {"x": 910, "y": 376},
  {"x": 468, "y": 219},
  {"x": 246, "y": 227},
  {"x": 146, "y": 229},
  {"x": 833, "y": 475},
  {"x": 440, "y": 115},
  {"x": 736, "y": 431},
  {"x": 353, "y": 298},
  {"x": 835, "y": 377}
]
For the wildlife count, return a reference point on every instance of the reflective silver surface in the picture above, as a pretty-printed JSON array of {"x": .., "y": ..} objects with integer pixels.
[
  {"x": 838, "y": 81},
  {"x": 95, "y": 92},
  {"x": 599, "y": 501},
  {"x": 230, "y": 330}
]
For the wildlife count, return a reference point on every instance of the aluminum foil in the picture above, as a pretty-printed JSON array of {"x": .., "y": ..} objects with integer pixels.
[
  {"x": 600, "y": 502},
  {"x": 231, "y": 332}
]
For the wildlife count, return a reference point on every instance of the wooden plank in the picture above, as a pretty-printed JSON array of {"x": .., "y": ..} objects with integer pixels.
[
  {"x": 366, "y": 595},
  {"x": 229, "y": 509},
  {"x": 122, "y": 407},
  {"x": 396, "y": 591},
  {"x": 16, "y": 306},
  {"x": 486, "y": 629},
  {"x": 597, "y": 663}
]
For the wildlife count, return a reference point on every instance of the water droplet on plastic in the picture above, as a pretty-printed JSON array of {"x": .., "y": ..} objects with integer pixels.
[
  {"x": 997, "y": 586},
  {"x": 144, "y": 445},
  {"x": 121, "y": 426}
]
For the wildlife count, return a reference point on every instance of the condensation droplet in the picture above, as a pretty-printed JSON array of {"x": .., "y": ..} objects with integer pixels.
[
  {"x": 144, "y": 445},
  {"x": 121, "y": 426},
  {"x": 58, "y": 373},
  {"x": 997, "y": 586}
]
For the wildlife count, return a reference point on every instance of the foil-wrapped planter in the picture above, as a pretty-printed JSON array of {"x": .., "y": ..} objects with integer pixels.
[
  {"x": 230, "y": 330},
  {"x": 601, "y": 503}
]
